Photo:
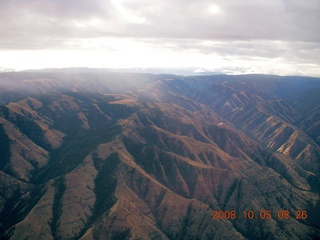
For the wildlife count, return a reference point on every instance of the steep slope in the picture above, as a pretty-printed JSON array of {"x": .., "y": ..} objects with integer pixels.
[
  {"x": 263, "y": 116},
  {"x": 96, "y": 158},
  {"x": 307, "y": 102}
]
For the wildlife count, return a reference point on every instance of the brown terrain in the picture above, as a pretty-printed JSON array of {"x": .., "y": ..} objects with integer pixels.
[{"x": 140, "y": 156}]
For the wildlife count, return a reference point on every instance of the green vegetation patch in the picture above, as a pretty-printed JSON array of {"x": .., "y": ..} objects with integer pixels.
[
  {"x": 60, "y": 188},
  {"x": 5, "y": 153},
  {"x": 105, "y": 185},
  {"x": 18, "y": 207}
]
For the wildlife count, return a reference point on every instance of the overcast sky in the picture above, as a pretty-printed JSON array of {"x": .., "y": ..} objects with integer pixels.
[{"x": 250, "y": 36}]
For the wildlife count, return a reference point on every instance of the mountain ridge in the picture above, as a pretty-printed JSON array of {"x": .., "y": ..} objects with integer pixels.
[{"x": 151, "y": 156}]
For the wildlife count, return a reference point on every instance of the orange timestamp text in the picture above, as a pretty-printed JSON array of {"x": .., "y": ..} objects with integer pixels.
[{"x": 262, "y": 214}]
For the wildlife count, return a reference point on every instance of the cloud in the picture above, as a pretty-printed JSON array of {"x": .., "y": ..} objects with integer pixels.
[
  {"x": 281, "y": 31},
  {"x": 232, "y": 20}
]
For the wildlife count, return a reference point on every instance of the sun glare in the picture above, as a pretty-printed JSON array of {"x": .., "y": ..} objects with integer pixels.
[
  {"x": 214, "y": 9},
  {"x": 113, "y": 52}
]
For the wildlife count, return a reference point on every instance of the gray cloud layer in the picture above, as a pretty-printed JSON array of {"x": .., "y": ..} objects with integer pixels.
[
  {"x": 287, "y": 29},
  {"x": 29, "y": 23}
]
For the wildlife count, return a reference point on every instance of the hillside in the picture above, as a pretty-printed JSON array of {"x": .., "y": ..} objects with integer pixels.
[{"x": 96, "y": 155}]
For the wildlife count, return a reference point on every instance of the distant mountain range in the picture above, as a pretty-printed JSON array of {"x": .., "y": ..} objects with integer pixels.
[
  {"x": 101, "y": 155},
  {"x": 176, "y": 71}
]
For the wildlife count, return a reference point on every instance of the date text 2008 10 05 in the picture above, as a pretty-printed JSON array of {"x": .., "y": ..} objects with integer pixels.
[{"x": 263, "y": 214}]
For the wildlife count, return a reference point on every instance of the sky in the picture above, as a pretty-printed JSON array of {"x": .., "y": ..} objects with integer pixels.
[{"x": 279, "y": 37}]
